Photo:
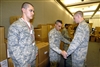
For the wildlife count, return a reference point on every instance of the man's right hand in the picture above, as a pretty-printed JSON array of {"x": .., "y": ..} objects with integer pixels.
[{"x": 64, "y": 54}]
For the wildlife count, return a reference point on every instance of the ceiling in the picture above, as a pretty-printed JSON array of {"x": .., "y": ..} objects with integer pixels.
[{"x": 90, "y": 8}]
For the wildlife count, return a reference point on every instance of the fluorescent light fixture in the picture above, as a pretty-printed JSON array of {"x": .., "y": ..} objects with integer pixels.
[
  {"x": 97, "y": 13},
  {"x": 89, "y": 7},
  {"x": 88, "y": 13},
  {"x": 66, "y": 2}
]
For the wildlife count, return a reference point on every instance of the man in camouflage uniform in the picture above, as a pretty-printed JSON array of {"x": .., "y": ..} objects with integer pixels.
[
  {"x": 54, "y": 42},
  {"x": 79, "y": 45},
  {"x": 65, "y": 34},
  {"x": 21, "y": 41}
]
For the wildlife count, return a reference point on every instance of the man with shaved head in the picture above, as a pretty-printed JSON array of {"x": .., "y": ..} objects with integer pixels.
[
  {"x": 79, "y": 45},
  {"x": 21, "y": 40},
  {"x": 55, "y": 38}
]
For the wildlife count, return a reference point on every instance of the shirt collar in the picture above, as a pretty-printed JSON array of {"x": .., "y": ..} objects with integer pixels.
[{"x": 28, "y": 23}]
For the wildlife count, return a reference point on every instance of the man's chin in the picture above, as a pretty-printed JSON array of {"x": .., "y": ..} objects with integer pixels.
[{"x": 31, "y": 18}]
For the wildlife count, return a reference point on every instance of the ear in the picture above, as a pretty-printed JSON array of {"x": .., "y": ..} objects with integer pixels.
[
  {"x": 55, "y": 24},
  {"x": 23, "y": 9}
]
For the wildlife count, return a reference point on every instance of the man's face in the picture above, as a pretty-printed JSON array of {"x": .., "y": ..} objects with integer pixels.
[
  {"x": 76, "y": 18},
  {"x": 29, "y": 12},
  {"x": 58, "y": 26}
]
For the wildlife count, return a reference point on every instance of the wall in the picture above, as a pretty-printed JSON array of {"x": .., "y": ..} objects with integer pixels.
[
  {"x": 46, "y": 11},
  {"x": 0, "y": 12},
  {"x": 96, "y": 22}
]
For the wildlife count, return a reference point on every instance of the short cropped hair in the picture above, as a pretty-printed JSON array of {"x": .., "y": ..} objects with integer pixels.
[
  {"x": 66, "y": 25},
  {"x": 79, "y": 13},
  {"x": 26, "y": 4},
  {"x": 58, "y": 21}
]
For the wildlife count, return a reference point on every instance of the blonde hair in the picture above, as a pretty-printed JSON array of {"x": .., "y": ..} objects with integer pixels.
[{"x": 79, "y": 13}]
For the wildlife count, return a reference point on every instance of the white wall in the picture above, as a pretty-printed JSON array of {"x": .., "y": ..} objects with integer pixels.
[
  {"x": 46, "y": 11},
  {"x": 96, "y": 22}
]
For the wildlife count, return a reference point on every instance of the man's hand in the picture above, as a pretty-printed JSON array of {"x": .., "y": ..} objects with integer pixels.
[
  {"x": 36, "y": 54},
  {"x": 29, "y": 65},
  {"x": 64, "y": 54}
]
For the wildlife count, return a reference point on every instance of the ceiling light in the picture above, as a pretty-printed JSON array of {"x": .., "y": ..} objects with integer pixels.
[
  {"x": 89, "y": 7},
  {"x": 88, "y": 13},
  {"x": 66, "y": 2},
  {"x": 97, "y": 13}
]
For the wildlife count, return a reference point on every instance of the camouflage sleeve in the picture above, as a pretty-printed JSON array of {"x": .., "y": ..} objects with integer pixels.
[
  {"x": 78, "y": 38},
  {"x": 52, "y": 44},
  {"x": 36, "y": 48},
  {"x": 16, "y": 50}
]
